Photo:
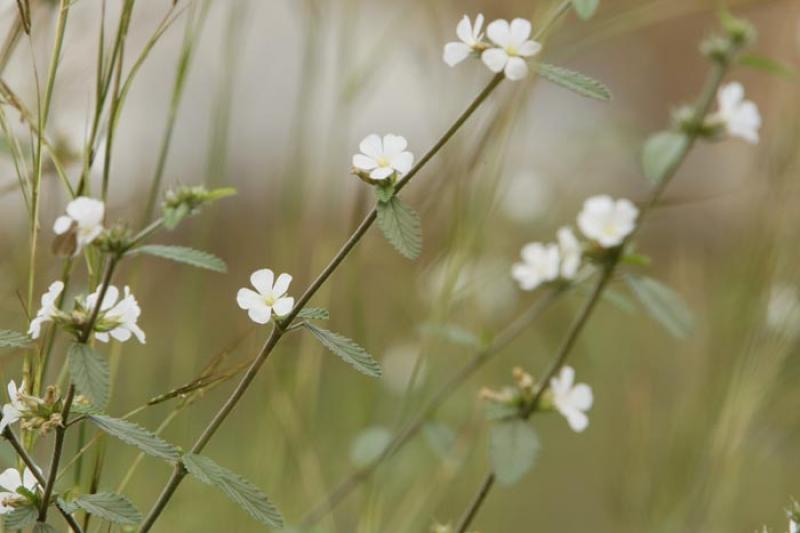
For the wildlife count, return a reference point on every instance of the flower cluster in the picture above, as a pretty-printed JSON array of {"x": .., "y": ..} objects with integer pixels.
[
  {"x": 507, "y": 51},
  {"x": 382, "y": 159},
  {"x": 269, "y": 297},
  {"x": 736, "y": 117},
  {"x": 82, "y": 224},
  {"x": 40, "y": 414},
  {"x": 604, "y": 221},
  {"x": 15, "y": 487}
]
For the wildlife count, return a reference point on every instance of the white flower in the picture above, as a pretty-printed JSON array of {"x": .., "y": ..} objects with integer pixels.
[
  {"x": 783, "y": 308},
  {"x": 794, "y": 527},
  {"x": 13, "y": 410},
  {"x": 48, "y": 310},
  {"x": 740, "y": 117},
  {"x": 540, "y": 264},
  {"x": 10, "y": 480},
  {"x": 470, "y": 35},
  {"x": 269, "y": 298},
  {"x": 118, "y": 318},
  {"x": 607, "y": 221},
  {"x": 85, "y": 216},
  {"x": 571, "y": 400},
  {"x": 513, "y": 46},
  {"x": 571, "y": 251},
  {"x": 383, "y": 158}
]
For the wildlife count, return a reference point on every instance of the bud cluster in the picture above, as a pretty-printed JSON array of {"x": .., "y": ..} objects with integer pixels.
[
  {"x": 184, "y": 201},
  {"x": 511, "y": 400}
]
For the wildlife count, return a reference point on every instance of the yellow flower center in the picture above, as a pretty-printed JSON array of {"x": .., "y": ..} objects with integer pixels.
[
  {"x": 270, "y": 300},
  {"x": 512, "y": 51},
  {"x": 383, "y": 162}
]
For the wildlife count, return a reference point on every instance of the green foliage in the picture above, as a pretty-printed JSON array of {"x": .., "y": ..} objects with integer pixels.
[
  {"x": 453, "y": 333},
  {"x": 136, "y": 436},
  {"x": 585, "y": 8},
  {"x": 109, "y": 506},
  {"x": 348, "y": 350},
  {"x": 20, "y": 518},
  {"x": 13, "y": 339},
  {"x": 440, "y": 438},
  {"x": 663, "y": 304},
  {"x": 42, "y": 527},
  {"x": 89, "y": 372},
  {"x": 401, "y": 226},
  {"x": 241, "y": 491},
  {"x": 369, "y": 445},
  {"x": 574, "y": 81},
  {"x": 384, "y": 192},
  {"x": 769, "y": 65},
  {"x": 662, "y": 152},
  {"x": 182, "y": 254},
  {"x": 513, "y": 446},
  {"x": 314, "y": 313},
  {"x": 184, "y": 201}
]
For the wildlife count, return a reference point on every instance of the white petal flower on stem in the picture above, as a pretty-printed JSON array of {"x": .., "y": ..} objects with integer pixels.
[
  {"x": 571, "y": 400},
  {"x": 607, "y": 221},
  {"x": 381, "y": 158},
  {"x": 85, "y": 216},
  {"x": 740, "y": 117},
  {"x": 11, "y": 480},
  {"x": 540, "y": 264},
  {"x": 119, "y": 317},
  {"x": 571, "y": 251},
  {"x": 48, "y": 310},
  {"x": 470, "y": 35},
  {"x": 513, "y": 46},
  {"x": 13, "y": 410},
  {"x": 270, "y": 296}
]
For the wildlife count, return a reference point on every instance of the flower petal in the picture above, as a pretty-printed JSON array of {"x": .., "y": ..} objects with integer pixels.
[
  {"x": 516, "y": 68},
  {"x": 62, "y": 225},
  {"x": 403, "y": 162},
  {"x": 381, "y": 173},
  {"x": 283, "y": 306},
  {"x": 495, "y": 58},
  {"x": 730, "y": 96},
  {"x": 520, "y": 31},
  {"x": 248, "y": 299},
  {"x": 499, "y": 32},
  {"x": 262, "y": 280},
  {"x": 363, "y": 162},
  {"x": 371, "y": 146},
  {"x": 260, "y": 315},
  {"x": 581, "y": 397},
  {"x": 10, "y": 479},
  {"x": 464, "y": 29},
  {"x": 455, "y": 53},
  {"x": 393, "y": 145},
  {"x": 529, "y": 48},
  {"x": 576, "y": 419},
  {"x": 281, "y": 285}
]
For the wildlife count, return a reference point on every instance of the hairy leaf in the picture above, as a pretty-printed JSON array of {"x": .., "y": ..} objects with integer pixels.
[
  {"x": 88, "y": 370},
  {"x": 182, "y": 254},
  {"x": 401, "y": 226},
  {"x": 243, "y": 492},
  {"x": 109, "y": 506},
  {"x": 663, "y": 304},
  {"x": 20, "y": 518},
  {"x": 13, "y": 339},
  {"x": 662, "y": 152},
  {"x": 314, "y": 313},
  {"x": 513, "y": 446},
  {"x": 769, "y": 65},
  {"x": 348, "y": 350},
  {"x": 136, "y": 436},
  {"x": 369, "y": 444},
  {"x": 574, "y": 81},
  {"x": 585, "y": 8}
]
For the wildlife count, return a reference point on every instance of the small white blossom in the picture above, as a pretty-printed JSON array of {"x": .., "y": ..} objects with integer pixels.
[
  {"x": 740, "y": 117},
  {"x": 794, "y": 527},
  {"x": 119, "y": 317},
  {"x": 271, "y": 297},
  {"x": 607, "y": 221},
  {"x": 570, "y": 251},
  {"x": 382, "y": 158},
  {"x": 471, "y": 37},
  {"x": 513, "y": 46},
  {"x": 11, "y": 480},
  {"x": 540, "y": 264},
  {"x": 48, "y": 310},
  {"x": 85, "y": 217},
  {"x": 571, "y": 400},
  {"x": 13, "y": 410}
]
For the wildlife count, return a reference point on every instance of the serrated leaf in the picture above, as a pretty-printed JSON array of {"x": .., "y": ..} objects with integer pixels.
[
  {"x": 241, "y": 491},
  {"x": 109, "y": 506},
  {"x": 89, "y": 372},
  {"x": 348, "y": 350},
  {"x": 769, "y": 65},
  {"x": 20, "y": 518},
  {"x": 369, "y": 445},
  {"x": 663, "y": 304},
  {"x": 513, "y": 446},
  {"x": 136, "y": 436},
  {"x": 662, "y": 152},
  {"x": 182, "y": 254},
  {"x": 314, "y": 313},
  {"x": 401, "y": 226},
  {"x": 42, "y": 527},
  {"x": 574, "y": 81},
  {"x": 585, "y": 8},
  {"x": 13, "y": 339},
  {"x": 384, "y": 192}
]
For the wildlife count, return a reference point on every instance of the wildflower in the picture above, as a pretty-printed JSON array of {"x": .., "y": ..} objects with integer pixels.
[
  {"x": 48, "y": 311},
  {"x": 607, "y": 221},
  {"x": 513, "y": 45},
  {"x": 571, "y": 400},
  {"x": 383, "y": 158},
  {"x": 570, "y": 251},
  {"x": 540, "y": 264},
  {"x": 12, "y": 481},
  {"x": 471, "y": 41},
  {"x": 271, "y": 297},
  {"x": 739, "y": 117},
  {"x": 117, "y": 319},
  {"x": 84, "y": 221},
  {"x": 15, "y": 409}
]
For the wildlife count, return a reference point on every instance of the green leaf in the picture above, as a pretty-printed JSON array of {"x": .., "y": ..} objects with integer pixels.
[
  {"x": 348, "y": 350},
  {"x": 440, "y": 438},
  {"x": 182, "y": 254},
  {"x": 109, "y": 506},
  {"x": 663, "y": 304},
  {"x": 13, "y": 339},
  {"x": 243, "y": 492},
  {"x": 88, "y": 370},
  {"x": 314, "y": 313},
  {"x": 136, "y": 436},
  {"x": 769, "y": 65},
  {"x": 574, "y": 81},
  {"x": 220, "y": 193},
  {"x": 513, "y": 446},
  {"x": 20, "y": 518},
  {"x": 662, "y": 152},
  {"x": 42, "y": 527},
  {"x": 369, "y": 445},
  {"x": 174, "y": 215},
  {"x": 585, "y": 8},
  {"x": 384, "y": 192},
  {"x": 401, "y": 226},
  {"x": 453, "y": 333},
  {"x": 619, "y": 300}
]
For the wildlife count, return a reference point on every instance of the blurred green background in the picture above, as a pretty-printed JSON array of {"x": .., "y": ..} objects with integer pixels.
[{"x": 699, "y": 434}]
